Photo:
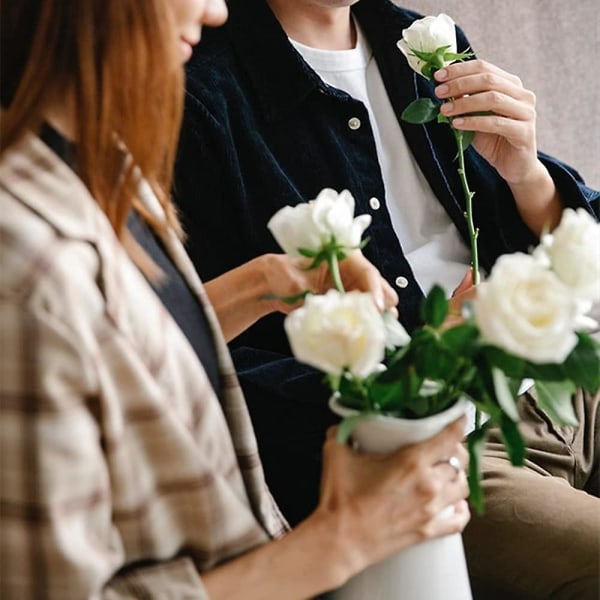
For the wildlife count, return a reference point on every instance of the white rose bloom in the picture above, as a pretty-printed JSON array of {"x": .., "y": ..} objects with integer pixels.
[
  {"x": 333, "y": 213},
  {"x": 293, "y": 227},
  {"x": 311, "y": 225},
  {"x": 573, "y": 249},
  {"x": 526, "y": 310},
  {"x": 334, "y": 331},
  {"x": 395, "y": 334},
  {"x": 427, "y": 35}
]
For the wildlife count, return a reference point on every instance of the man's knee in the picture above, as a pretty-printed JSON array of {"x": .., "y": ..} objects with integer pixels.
[{"x": 539, "y": 537}]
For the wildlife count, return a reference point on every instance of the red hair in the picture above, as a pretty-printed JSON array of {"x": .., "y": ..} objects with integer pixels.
[{"x": 120, "y": 61}]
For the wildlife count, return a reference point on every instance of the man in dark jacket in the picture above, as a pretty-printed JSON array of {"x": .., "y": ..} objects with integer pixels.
[{"x": 293, "y": 96}]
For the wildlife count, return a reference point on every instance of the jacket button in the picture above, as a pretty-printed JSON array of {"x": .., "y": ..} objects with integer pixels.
[
  {"x": 401, "y": 282},
  {"x": 374, "y": 203},
  {"x": 354, "y": 123}
]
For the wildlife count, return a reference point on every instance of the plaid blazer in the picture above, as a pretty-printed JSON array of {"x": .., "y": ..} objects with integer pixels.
[{"x": 122, "y": 475}]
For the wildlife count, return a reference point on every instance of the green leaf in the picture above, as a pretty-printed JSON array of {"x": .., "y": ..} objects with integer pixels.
[
  {"x": 428, "y": 70},
  {"x": 475, "y": 445},
  {"x": 434, "y": 362},
  {"x": 460, "y": 56},
  {"x": 318, "y": 259},
  {"x": 434, "y": 309},
  {"x": 398, "y": 362},
  {"x": 420, "y": 111},
  {"x": 544, "y": 371},
  {"x": 364, "y": 242},
  {"x": 461, "y": 339},
  {"x": 582, "y": 366},
  {"x": 440, "y": 56},
  {"x": 333, "y": 381},
  {"x": 347, "y": 426},
  {"x": 287, "y": 299},
  {"x": 555, "y": 399},
  {"x": 513, "y": 366},
  {"x": 424, "y": 56},
  {"x": 467, "y": 137},
  {"x": 504, "y": 394},
  {"x": 513, "y": 441},
  {"x": 396, "y": 385},
  {"x": 352, "y": 393},
  {"x": 388, "y": 395},
  {"x": 308, "y": 252}
]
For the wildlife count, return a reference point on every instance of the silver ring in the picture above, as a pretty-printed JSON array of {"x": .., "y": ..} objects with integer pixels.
[{"x": 454, "y": 463}]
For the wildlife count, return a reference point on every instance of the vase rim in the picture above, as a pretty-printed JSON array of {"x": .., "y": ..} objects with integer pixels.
[{"x": 459, "y": 407}]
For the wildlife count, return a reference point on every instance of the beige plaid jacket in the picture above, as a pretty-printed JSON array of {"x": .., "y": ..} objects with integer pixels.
[{"x": 121, "y": 474}]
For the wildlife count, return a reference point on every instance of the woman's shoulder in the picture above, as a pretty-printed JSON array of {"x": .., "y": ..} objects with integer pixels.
[{"x": 45, "y": 211}]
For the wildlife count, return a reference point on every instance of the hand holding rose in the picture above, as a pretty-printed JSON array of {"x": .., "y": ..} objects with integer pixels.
[
  {"x": 328, "y": 220},
  {"x": 316, "y": 236},
  {"x": 488, "y": 108},
  {"x": 483, "y": 98}
]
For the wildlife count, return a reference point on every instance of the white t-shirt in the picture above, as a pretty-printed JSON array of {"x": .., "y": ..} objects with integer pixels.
[{"x": 431, "y": 242}]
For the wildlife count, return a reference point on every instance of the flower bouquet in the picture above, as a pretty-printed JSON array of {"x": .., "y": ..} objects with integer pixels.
[{"x": 525, "y": 323}]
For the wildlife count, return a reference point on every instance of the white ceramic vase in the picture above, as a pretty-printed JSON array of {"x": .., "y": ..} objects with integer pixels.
[{"x": 433, "y": 570}]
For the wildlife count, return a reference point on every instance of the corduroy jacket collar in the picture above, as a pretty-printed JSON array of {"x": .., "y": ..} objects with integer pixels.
[{"x": 280, "y": 77}]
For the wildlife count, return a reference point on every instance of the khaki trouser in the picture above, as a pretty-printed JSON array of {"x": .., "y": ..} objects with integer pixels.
[{"x": 540, "y": 534}]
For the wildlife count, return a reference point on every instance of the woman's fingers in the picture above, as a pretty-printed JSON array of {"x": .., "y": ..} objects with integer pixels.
[
  {"x": 449, "y": 522},
  {"x": 358, "y": 273},
  {"x": 443, "y": 444},
  {"x": 396, "y": 500}
]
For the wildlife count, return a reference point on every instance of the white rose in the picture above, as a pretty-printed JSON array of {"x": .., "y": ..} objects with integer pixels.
[
  {"x": 395, "y": 334},
  {"x": 427, "y": 35},
  {"x": 336, "y": 331},
  {"x": 312, "y": 225},
  {"x": 573, "y": 249},
  {"x": 334, "y": 214},
  {"x": 526, "y": 310},
  {"x": 293, "y": 227}
]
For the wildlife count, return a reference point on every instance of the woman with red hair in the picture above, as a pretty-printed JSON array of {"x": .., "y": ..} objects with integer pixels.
[{"x": 129, "y": 464}]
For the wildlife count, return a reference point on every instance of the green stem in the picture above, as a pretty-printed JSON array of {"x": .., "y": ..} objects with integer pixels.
[
  {"x": 473, "y": 232},
  {"x": 334, "y": 269}
]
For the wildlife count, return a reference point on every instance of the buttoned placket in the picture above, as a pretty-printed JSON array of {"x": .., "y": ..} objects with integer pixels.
[{"x": 369, "y": 195}]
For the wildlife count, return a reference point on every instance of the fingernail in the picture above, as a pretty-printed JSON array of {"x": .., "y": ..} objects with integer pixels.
[
  {"x": 441, "y": 74},
  {"x": 458, "y": 121},
  {"x": 447, "y": 108},
  {"x": 441, "y": 90}
]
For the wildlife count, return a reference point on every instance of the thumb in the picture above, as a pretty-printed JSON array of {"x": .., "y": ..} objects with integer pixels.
[{"x": 465, "y": 284}]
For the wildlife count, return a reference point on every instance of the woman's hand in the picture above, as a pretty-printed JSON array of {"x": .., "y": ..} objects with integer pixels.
[
  {"x": 505, "y": 135},
  {"x": 243, "y": 295},
  {"x": 381, "y": 504},
  {"x": 371, "y": 507},
  {"x": 288, "y": 276}
]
